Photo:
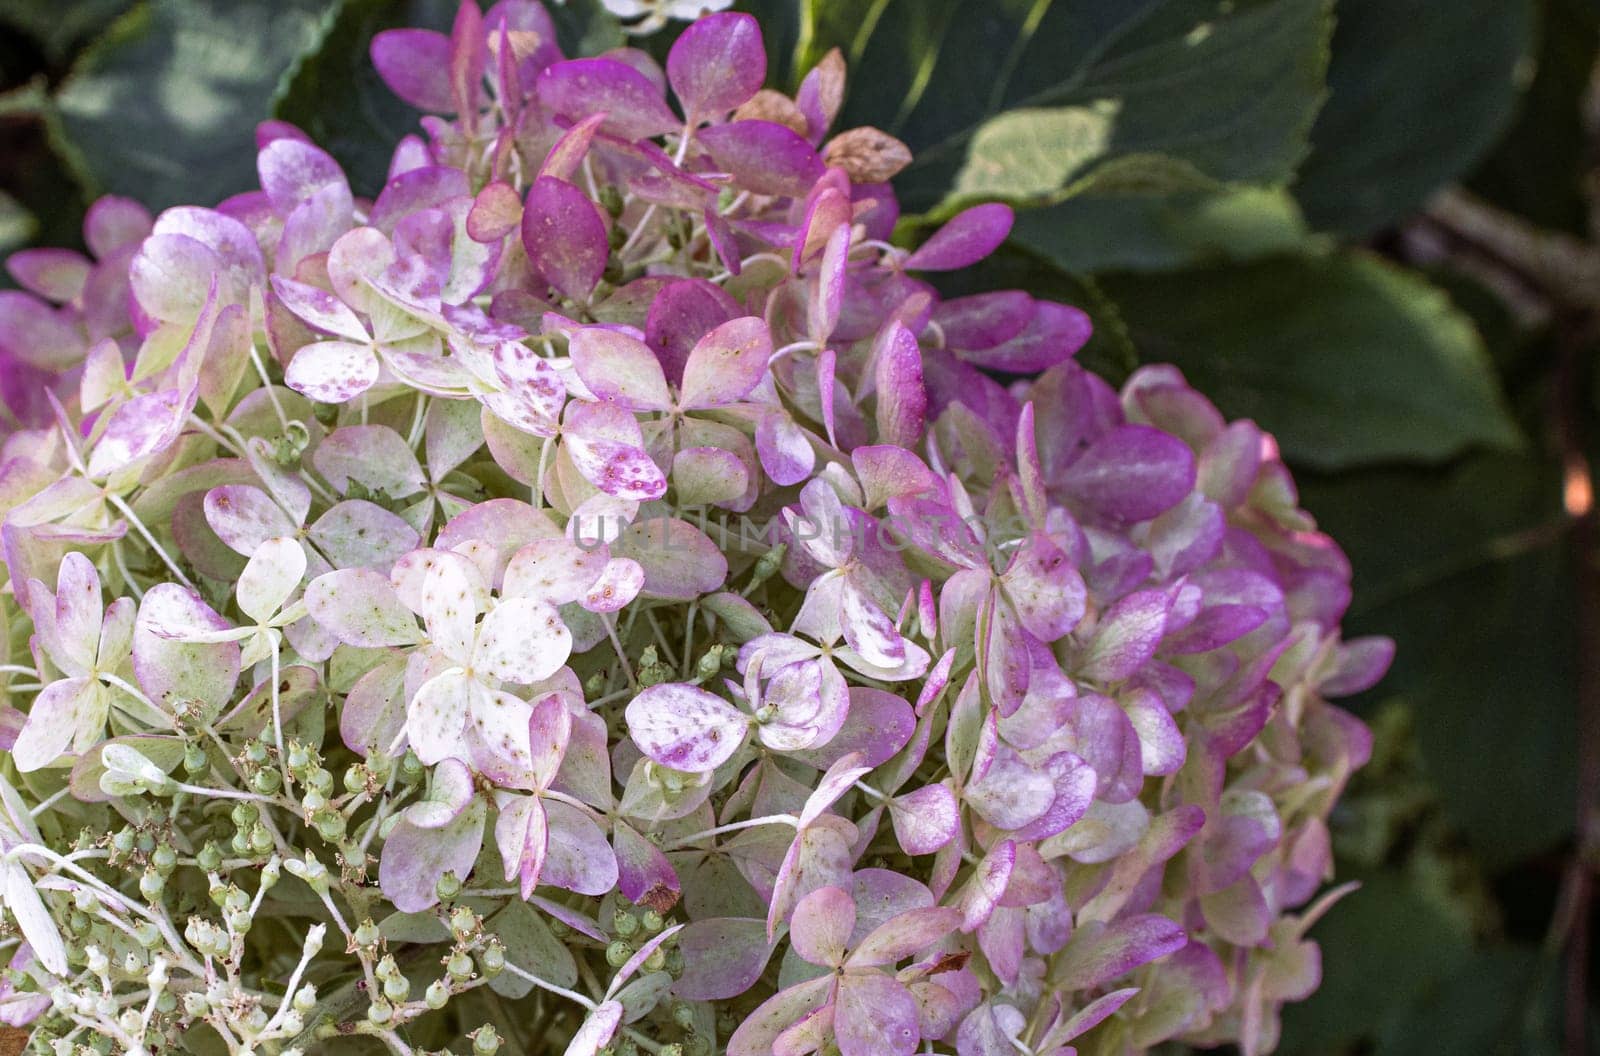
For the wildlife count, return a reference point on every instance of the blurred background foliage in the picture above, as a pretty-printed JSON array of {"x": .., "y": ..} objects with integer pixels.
[{"x": 1368, "y": 224}]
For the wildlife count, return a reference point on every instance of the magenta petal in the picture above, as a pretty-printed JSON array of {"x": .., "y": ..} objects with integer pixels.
[
  {"x": 1054, "y": 335},
  {"x": 764, "y": 157},
  {"x": 565, "y": 237},
  {"x": 415, "y": 64},
  {"x": 646, "y": 877},
  {"x": 966, "y": 239},
  {"x": 113, "y": 223},
  {"x": 984, "y": 320},
  {"x": 717, "y": 64},
  {"x": 429, "y": 187},
  {"x": 633, "y": 106},
  {"x": 726, "y": 364},
  {"x": 1132, "y": 473},
  {"x": 55, "y": 274},
  {"x": 1362, "y": 662},
  {"x": 681, "y": 313},
  {"x": 902, "y": 399},
  {"x": 1099, "y": 953},
  {"x": 292, "y": 171}
]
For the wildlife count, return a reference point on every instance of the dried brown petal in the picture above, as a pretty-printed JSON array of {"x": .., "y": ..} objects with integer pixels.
[
  {"x": 769, "y": 105},
  {"x": 868, "y": 154}
]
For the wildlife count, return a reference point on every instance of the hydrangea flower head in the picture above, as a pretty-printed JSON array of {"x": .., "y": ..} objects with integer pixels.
[{"x": 603, "y": 582}]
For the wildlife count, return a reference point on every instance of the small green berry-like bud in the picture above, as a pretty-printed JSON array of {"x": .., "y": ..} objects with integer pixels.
[
  {"x": 256, "y": 752},
  {"x": 355, "y": 777},
  {"x": 165, "y": 859},
  {"x": 260, "y": 839},
  {"x": 305, "y": 998},
  {"x": 652, "y": 921},
  {"x": 330, "y": 825},
  {"x": 210, "y": 857},
  {"x": 625, "y": 924},
  {"x": 411, "y": 768},
  {"x": 485, "y": 1041},
  {"x": 493, "y": 959},
  {"x": 266, "y": 782},
  {"x": 367, "y": 934},
  {"x": 709, "y": 663},
  {"x": 438, "y": 995},
  {"x": 194, "y": 760},
  {"x": 122, "y": 842},
  {"x": 656, "y": 961},
  {"x": 459, "y": 966},
  {"x": 386, "y": 967},
  {"x": 448, "y": 887},
  {"x": 683, "y": 1015},
  {"x": 396, "y": 988},
  {"x": 380, "y": 1012},
  {"x": 463, "y": 922},
  {"x": 617, "y": 953},
  {"x": 151, "y": 884},
  {"x": 194, "y": 1004}
]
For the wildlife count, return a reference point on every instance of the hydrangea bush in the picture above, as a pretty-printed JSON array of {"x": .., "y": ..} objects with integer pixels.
[{"x": 597, "y": 597}]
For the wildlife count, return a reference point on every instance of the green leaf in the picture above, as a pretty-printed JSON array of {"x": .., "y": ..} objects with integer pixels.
[
  {"x": 1535, "y": 169},
  {"x": 1348, "y": 360},
  {"x": 1504, "y": 1002},
  {"x": 1228, "y": 89},
  {"x": 163, "y": 107},
  {"x": 1094, "y": 233},
  {"x": 1419, "y": 91},
  {"x": 336, "y": 96},
  {"x": 16, "y": 224},
  {"x": 1373, "y": 971},
  {"x": 58, "y": 24},
  {"x": 1465, "y": 569}
]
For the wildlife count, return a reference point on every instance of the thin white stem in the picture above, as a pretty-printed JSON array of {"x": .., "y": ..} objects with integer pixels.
[
  {"x": 138, "y": 525},
  {"x": 735, "y": 826},
  {"x": 559, "y": 991}
]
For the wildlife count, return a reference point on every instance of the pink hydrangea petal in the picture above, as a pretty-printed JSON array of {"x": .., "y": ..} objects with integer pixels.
[
  {"x": 764, "y": 157},
  {"x": 114, "y": 223},
  {"x": 332, "y": 371},
  {"x": 319, "y": 308},
  {"x": 579, "y": 88},
  {"x": 875, "y": 1016},
  {"x": 1054, "y": 334},
  {"x": 414, "y": 859},
  {"x": 565, "y": 237},
  {"x": 685, "y": 727},
  {"x": 579, "y": 858},
  {"x": 522, "y": 640},
  {"x": 171, "y": 670},
  {"x": 415, "y": 64},
  {"x": 55, "y": 718},
  {"x": 726, "y": 363},
  {"x": 821, "y": 926},
  {"x": 58, "y": 275},
  {"x": 966, "y": 239},
  {"x": 717, "y": 64},
  {"x": 620, "y": 369}
]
